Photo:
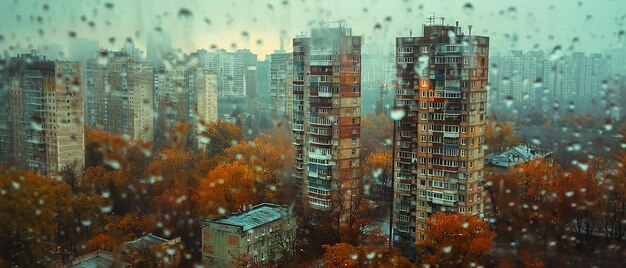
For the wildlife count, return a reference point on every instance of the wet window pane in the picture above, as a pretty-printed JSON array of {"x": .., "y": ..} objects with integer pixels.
[{"x": 312, "y": 133}]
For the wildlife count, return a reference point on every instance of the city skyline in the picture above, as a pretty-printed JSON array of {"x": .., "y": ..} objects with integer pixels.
[{"x": 260, "y": 25}]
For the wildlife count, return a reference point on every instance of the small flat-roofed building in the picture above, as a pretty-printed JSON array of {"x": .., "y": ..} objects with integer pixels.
[
  {"x": 262, "y": 234},
  {"x": 96, "y": 259},
  {"x": 152, "y": 250},
  {"x": 501, "y": 161}
]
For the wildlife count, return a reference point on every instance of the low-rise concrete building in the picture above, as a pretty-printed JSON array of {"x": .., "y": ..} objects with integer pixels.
[
  {"x": 501, "y": 161},
  {"x": 263, "y": 234}
]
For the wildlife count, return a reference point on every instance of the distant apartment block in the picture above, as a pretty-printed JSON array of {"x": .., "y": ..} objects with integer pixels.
[
  {"x": 120, "y": 95},
  {"x": 184, "y": 94},
  {"x": 326, "y": 111},
  {"x": 438, "y": 158},
  {"x": 41, "y": 120},
  {"x": 534, "y": 79},
  {"x": 281, "y": 81},
  {"x": 255, "y": 236}
]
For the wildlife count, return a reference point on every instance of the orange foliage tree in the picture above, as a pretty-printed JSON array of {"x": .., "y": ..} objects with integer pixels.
[
  {"x": 376, "y": 133},
  {"x": 28, "y": 211},
  {"x": 220, "y": 135},
  {"x": 499, "y": 135},
  {"x": 546, "y": 209},
  {"x": 456, "y": 240},
  {"x": 226, "y": 188},
  {"x": 346, "y": 255},
  {"x": 270, "y": 155},
  {"x": 379, "y": 167}
]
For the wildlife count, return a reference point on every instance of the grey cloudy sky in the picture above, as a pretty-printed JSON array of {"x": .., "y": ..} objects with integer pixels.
[{"x": 529, "y": 24}]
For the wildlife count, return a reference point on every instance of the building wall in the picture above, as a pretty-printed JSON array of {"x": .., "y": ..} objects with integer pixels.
[{"x": 438, "y": 157}]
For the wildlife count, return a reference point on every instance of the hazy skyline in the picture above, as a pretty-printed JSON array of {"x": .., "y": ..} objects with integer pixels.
[{"x": 257, "y": 25}]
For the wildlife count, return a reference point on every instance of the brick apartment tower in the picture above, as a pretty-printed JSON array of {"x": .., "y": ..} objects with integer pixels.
[
  {"x": 326, "y": 111},
  {"x": 438, "y": 157},
  {"x": 43, "y": 112}
]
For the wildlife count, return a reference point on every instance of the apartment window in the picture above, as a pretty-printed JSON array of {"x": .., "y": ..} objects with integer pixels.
[{"x": 422, "y": 215}]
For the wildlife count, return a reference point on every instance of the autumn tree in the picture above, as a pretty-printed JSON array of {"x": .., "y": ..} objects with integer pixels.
[
  {"x": 376, "y": 133},
  {"x": 499, "y": 135},
  {"x": 219, "y": 135},
  {"x": 28, "y": 209},
  {"x": 226, "y": 189},
  {"x": 456, "y": 240},
  {"x": 346, "y": 255},
  {"x": 271, "y": 156},
  {"x": 379, "y": 168}
]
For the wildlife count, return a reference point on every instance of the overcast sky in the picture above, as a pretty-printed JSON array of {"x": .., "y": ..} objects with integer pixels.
[{"x": 526, "y": 25}]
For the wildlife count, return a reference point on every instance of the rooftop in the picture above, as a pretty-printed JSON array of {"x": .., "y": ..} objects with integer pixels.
[
  {"x": 257, "y": 216},
  {"x": 96, "y": 259},
  {"x": 146, "y": 241},
  {"x": 515, "y": 155}
]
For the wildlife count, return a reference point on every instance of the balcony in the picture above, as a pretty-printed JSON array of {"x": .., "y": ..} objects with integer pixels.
[
  {"x": 320, "y": 121},
  {"x": 298, "y": 127},
  {"x": 318, "y": 154},
  {"x": 450, "y": 135}
]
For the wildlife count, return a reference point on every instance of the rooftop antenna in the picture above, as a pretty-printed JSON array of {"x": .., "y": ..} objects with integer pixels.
[
  {"x": 442, "y": 20},
  {"x": 470, "y": 29}
]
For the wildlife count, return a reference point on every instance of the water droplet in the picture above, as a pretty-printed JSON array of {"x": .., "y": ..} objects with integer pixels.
[
  {"x": 108, "y": 5},
  {"x": 354, "y": 256},
  {"x": 468, "y": 8},
  {"x": 538, "y": 83},
  {"x": 86, "y": 223},
  {"x": 181, "y": 199},
  {"x": 170, "y": 251},
  {"x": 569, "y": 194},
  {"x": 16, "y": 185},
  {"x": 508, "y": 101},
  {"x": 370, "y": 255},
  {"x": 204, "y": 139},
  {"x": 397, "y": 114},
  {"x": 447, "y": 249},
  {"x": 608, "y": 127},
  {"x": 106, "y": 209},
  {"x": 184, "y": 13},
  {"x": 552, "y": 243},
  {"x": 112, "y": 163},
  {"x": 221, "y": 210},
  {"x": 106, "y": 194},
  {"x": 376, "y": 173}
]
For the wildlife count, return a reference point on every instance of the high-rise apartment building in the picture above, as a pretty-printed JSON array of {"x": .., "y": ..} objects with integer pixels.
[
  {"x": 327, "y": 111},
  {"x": 120, "y": 89},
  {"x": 533, "y": 81},
  {"x": 44, "y": 129},
  {"x": 185, "y": 94},
  {"x": 438, "y": 154},
  {"x": 281, "y": 80}
]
